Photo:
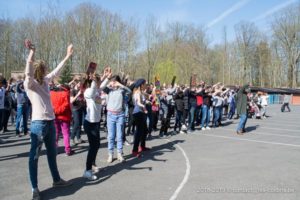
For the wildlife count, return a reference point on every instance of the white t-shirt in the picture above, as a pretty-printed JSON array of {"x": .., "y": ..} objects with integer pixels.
[
  {"x": 2, "y": 95},
  {"x": 264, "y": 100},
  {"x": 92, "y": 97}
]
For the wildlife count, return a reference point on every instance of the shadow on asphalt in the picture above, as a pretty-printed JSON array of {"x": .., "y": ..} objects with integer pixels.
[
  {"x": 109, "y": 171},
  {"x": 60, "y": 150},
  {"x": 251, "y": 128}
]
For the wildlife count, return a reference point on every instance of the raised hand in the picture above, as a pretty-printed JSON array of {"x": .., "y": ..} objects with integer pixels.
[
  {"x": 107, "y": 72},
  {"x": 70, "y": 50},
  {"x": 28, "y": 44}
]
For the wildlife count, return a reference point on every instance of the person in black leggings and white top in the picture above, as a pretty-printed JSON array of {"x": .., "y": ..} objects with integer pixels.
[{"x": 92, "y": 120}]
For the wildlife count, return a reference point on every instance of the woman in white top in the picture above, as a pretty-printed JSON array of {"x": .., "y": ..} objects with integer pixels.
[
  {"x": 91, "y": 125},
  {"x": 264, "y": 104}
]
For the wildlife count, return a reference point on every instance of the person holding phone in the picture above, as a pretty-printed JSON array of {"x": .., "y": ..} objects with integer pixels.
[{"x": 91, "y": 125}]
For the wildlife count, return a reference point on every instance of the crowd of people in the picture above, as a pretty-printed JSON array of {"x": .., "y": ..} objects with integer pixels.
[{"x": 115, "y": 104}]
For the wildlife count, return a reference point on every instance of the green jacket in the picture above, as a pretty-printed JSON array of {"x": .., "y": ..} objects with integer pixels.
[{"x": 241, "y": 100}]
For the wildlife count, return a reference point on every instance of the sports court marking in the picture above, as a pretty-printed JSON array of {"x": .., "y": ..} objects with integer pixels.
[
  {"x": 274, "y": 123},
  {"x": 281, "y": 129},
  {"x": 263, "y": 133},
  {"x": 187, "y": 172},
  {"x": 251, "y": 140}
]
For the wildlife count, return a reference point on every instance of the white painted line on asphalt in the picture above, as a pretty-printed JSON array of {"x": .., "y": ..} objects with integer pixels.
[
  {"x": 263, "y": 133},
  {"x": 250, "y": 140},
  {"x": 281, "y": 129},
  {"x": 279, "y": 135},
  {"x": 281, "y": 122},
  {"x": 187, "y": 172},
  {"x": 274, "y": 123}
]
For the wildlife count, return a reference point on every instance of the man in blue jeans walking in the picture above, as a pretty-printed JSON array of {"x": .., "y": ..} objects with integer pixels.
[{"x": 241, "y": 108}]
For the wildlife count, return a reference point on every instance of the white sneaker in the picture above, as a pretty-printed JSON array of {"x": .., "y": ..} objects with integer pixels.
[
  {"x": 182, "y": 132},
  {"x": 183, "y": 127},
  {"x": 95, "y": 169},
  {"x": 207, "y": 128},
  {"x": 120, "y": 158},
  {"x": 110, "y": 158},
  {"x": 203, "y": 128},
  {"x": 89, "y": 175},
  {"x": 126, "y": 143}
]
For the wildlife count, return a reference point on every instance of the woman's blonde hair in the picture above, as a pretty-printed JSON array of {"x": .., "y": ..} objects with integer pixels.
[{"x": 39, "y": 71}]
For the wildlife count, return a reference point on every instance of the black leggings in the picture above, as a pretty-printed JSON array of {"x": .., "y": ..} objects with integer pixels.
[
  {"x": 141, "y": 130},
  {"x": 93, "y": 133},
  {"x": 6, "y": 118}
]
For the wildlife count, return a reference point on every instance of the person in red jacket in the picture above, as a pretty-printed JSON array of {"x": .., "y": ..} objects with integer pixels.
[{"x": 60, "y": 98}]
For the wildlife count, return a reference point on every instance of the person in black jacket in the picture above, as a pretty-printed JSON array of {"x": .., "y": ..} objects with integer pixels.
[
  {"x": 179, "y": 107},
  {"x": 192, "y": 109},
  {"x": 163, "y": 112},
  {"x": 185, "y": 108}
]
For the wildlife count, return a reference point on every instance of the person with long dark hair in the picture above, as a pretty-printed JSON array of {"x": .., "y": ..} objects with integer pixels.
[
  {"x": 91, "y": 125},
  {"x": 139, "y": 117}
]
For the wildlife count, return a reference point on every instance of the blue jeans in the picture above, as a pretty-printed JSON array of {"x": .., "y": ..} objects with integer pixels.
[
  {"x": 115, "y": 126},
  {"x": 178, "y": 120},
  {"x": 205, "y": 116},
  {"x": 42, "y": 131},
  {"x": 242, "y": 123},
  {"x": 217, "y": 115},
  {"x": 231, "y": 110},
  {"x": 21, "y": 116},
  {"x": 78, "y": 116}
]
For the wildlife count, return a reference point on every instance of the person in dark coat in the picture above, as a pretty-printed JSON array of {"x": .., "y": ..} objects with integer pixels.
[
  {"x": 241, "y": 108},
  {"x": 179, "y": 107}
]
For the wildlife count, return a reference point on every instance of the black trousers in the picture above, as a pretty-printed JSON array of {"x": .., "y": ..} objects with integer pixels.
[
  {"x": 131, "y": 124},
  {"x": 93, "y": 133},
  {"x": 141, "y": 130},
  {"x": 1, "y": 119},
  {"x": 165, "y": 124},
  {"x": 285, "y": 105},
  {"x": 155, "y": 115},
  {"x": 6, "y": 118}
]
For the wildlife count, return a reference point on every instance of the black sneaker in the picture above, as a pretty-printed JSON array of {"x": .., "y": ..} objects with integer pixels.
[
  {"x": 70, "y": 153},
  {"x": 61, "y": 183},
  {"x": 36, "y": 195}
]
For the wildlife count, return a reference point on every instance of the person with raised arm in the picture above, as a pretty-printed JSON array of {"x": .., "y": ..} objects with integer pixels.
[
  {"x": 116, "y": 92},
  {"x": 42, "y": 125},
  {"x": 139, "y": 117},
  {"x": 91, "y": 125}
]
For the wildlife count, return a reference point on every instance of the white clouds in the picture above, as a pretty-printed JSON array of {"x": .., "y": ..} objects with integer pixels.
[
  {"x": 274, "y": 9},
  {"x": 227, "y": 12}
]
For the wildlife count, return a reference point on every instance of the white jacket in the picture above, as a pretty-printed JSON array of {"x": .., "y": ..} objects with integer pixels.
[{"x": 92, "y": 97}]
